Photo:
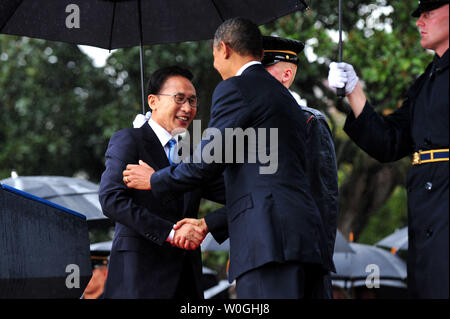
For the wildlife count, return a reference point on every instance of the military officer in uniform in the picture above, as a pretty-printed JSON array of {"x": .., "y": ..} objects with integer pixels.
[
  {"x": 418, "y": 128},
  {"x": 281, "y": 60}
]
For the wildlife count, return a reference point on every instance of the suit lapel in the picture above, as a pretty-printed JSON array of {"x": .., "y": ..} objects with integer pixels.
[
  {"x": 155, "y": 151},
  {"x": 153, "y": 147}
]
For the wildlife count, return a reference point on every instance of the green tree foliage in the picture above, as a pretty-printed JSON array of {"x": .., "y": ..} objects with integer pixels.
[
  {"x": 53, "y": 103},
  {"x": 391, "y": 216}
]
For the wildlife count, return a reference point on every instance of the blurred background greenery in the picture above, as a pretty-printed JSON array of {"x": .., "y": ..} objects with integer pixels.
[{"x": 58, "y": 110}]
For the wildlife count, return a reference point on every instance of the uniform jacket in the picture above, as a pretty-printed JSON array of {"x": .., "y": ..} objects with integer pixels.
[
  {"x": 421, "y": 123},
  {"x": 322, "y": 171}
]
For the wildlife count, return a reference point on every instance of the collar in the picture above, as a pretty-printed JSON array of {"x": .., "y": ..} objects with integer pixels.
[
  {"x": 441, "y": 62},
  {"x": 161, "y": 133},
  {"x": 245, "y": 66}
]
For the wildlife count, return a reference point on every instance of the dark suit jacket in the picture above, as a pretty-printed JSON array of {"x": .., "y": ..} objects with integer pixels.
[
  {"x": 142, "y": 263},
  {"x": 271, "y": 217}
]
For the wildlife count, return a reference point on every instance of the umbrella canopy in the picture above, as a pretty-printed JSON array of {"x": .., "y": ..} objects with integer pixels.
[
  {"x": 103, "y": 247},
  {"x": 341, "y": 245},
  {"x": 73, "y": 193},
  {"x": 396, "y": 241},
  {"x": 353, "y": 266},
  {"x": 210, "y": 244},
  {"x": 112, "y": 24},
  {"x": 362, "y": 283}
]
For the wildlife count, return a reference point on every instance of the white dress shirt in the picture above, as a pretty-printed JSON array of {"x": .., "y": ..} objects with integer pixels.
[
  {"x": 163, "y": 137},
  {"x": 245, "y": 66}
]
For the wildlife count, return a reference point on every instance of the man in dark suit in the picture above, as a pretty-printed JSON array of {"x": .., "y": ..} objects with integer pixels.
[
  {"x": 278, "y": 242},
  {"x": 143, "y": 263},
  {"x": 281, "y": 61}
]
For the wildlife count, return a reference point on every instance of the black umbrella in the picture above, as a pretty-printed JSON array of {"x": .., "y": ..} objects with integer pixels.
[
  {"x": 210, "y": 244},
  {"x": 73, "y": 193},
  {"x": 354, "y": 267},
  {"x": 396, "y": 241},
  {"x": 112, "y": 24}
]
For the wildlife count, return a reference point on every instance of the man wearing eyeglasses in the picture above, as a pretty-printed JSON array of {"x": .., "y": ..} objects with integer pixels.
[{"x": 144, "y": 261}]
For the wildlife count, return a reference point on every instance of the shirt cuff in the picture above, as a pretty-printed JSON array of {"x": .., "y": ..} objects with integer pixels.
[{"x": 171, "y": 234}]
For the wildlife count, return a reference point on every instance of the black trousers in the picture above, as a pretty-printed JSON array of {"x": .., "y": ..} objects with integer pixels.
[
  {"x": 187, "y": 287},
  {"x": 290, "y": 280}
]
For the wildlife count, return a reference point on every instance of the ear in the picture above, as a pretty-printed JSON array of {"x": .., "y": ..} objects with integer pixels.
[
  {"x": 287, "y": 75},
  {"x": 151, "y": 100},
  {"x": 225, "y": 49}
]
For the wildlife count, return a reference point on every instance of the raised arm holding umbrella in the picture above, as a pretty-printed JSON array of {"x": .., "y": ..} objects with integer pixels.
[{"x": 418, "y": 128}]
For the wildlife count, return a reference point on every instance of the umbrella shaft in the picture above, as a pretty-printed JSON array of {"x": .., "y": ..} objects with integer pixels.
[
  {"x": 340, "y": 91},
  {"x": 340, "y": 31},
  {"x": 142, "y": 78}
]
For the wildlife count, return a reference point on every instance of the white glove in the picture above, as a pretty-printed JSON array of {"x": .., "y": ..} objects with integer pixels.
[
  {"x": 342, "y": 74},
  {"x": 141, "y": 119}
]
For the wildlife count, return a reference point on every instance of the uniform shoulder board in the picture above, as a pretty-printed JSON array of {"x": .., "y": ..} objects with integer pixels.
[{"x": 313, "y": 113}]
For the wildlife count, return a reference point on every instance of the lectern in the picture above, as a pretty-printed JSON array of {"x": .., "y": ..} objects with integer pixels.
[{"x": 44, "y": 248}]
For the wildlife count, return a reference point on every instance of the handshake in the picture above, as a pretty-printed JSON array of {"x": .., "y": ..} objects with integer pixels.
[{"x": 189, "y": 233}]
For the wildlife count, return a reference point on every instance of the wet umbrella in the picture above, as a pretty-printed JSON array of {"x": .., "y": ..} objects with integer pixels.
[
  {"x": 73, "y": 193},
  {"x": 362, "y": 283},
  {"x": 112, "y": 24},
  {"x": 210, "y": 244},
  {"x": 353, "y": 267},
  {"x": 341, "y": 245},
  {"x": 395, "y": 241},
  {"x": 103, "y": 247}
]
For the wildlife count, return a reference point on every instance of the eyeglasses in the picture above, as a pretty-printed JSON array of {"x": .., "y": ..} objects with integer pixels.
[{"x": 180, "y": 98}]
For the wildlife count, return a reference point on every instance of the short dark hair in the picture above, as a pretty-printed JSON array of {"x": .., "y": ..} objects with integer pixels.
[
  {"x": 160, "y": 76},
  {"x": 242, "y": 35}
]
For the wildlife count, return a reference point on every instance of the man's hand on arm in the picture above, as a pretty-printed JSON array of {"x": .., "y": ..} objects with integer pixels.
[{"x": 138, "y": 176}]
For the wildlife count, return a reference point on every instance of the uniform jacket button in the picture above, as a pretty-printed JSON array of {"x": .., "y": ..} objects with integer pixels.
[
  {"x": 429, "y": 232},
  {"x": 428, "y": 186}
]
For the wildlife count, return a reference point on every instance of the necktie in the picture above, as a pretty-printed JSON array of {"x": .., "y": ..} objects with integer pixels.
[{"x": 172, "y": 151}]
